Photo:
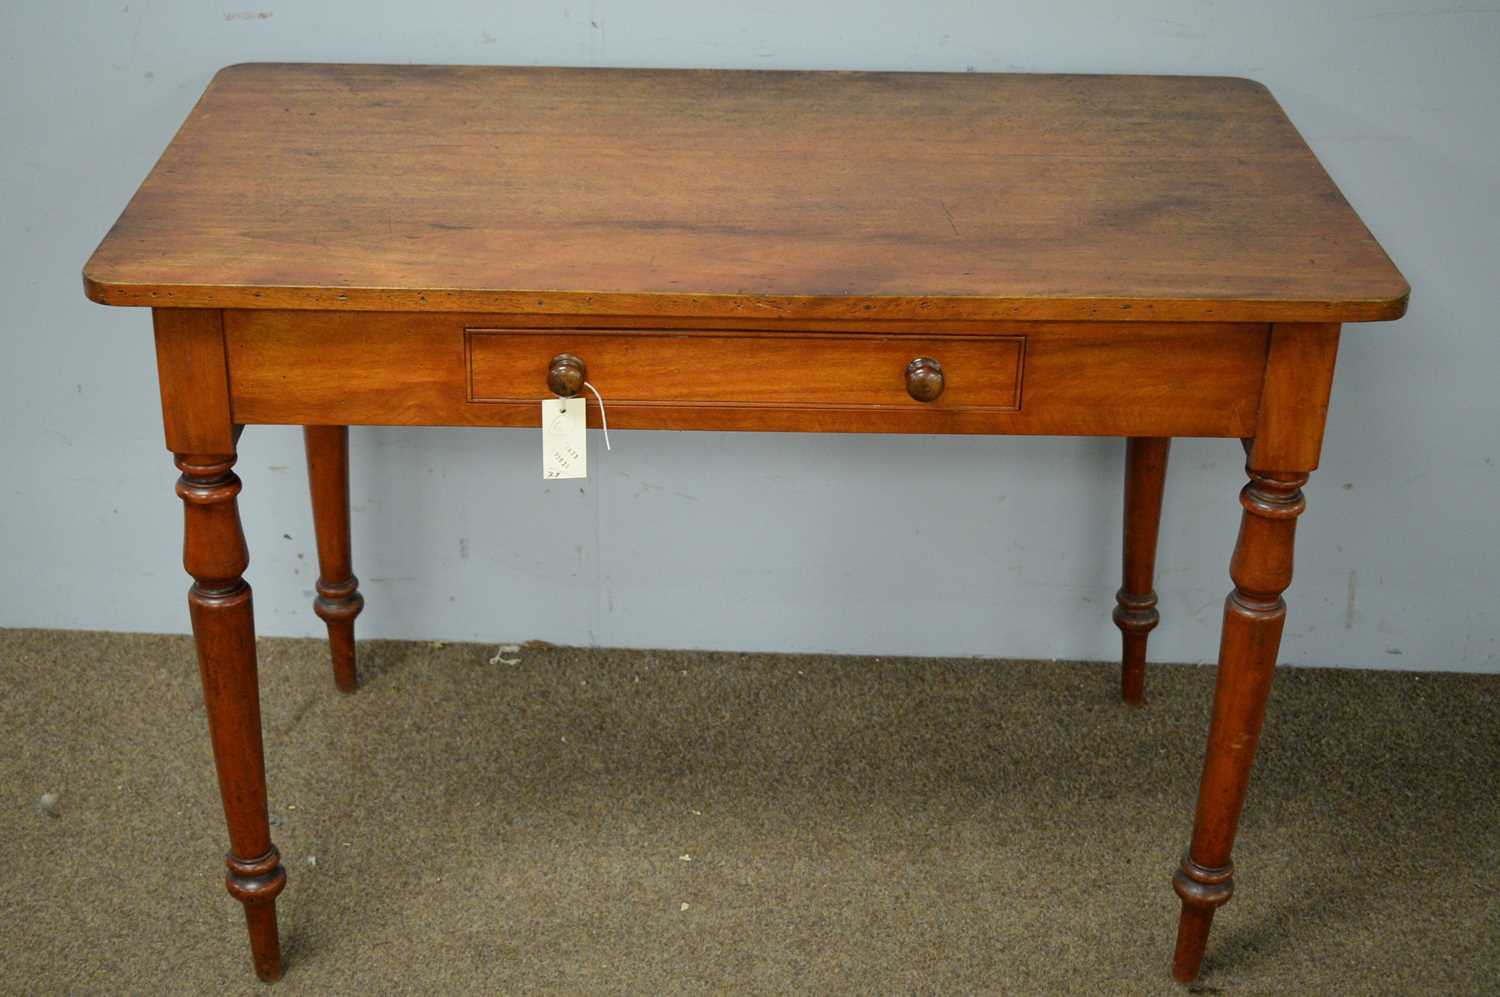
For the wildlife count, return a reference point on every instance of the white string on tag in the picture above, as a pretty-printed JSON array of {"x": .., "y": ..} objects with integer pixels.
[{"x": 603, "y": 420}]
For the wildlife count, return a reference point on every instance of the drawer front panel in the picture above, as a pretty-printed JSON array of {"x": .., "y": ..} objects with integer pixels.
[
  {"x": 1024, "y": 378},
  {"x": 783, "y": 370}
]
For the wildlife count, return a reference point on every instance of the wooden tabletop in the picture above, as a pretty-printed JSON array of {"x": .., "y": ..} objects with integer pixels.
[{"x": 733, "y": 193}]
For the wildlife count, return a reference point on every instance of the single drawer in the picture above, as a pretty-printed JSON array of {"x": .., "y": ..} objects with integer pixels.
[{"x": 754, "y": 369}]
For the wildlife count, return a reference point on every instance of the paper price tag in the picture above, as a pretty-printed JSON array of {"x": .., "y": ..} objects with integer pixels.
[{"x": 564, "y": 439}]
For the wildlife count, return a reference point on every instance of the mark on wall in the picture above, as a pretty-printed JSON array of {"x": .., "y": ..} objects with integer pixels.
[{"x": 1443, "y": 12}]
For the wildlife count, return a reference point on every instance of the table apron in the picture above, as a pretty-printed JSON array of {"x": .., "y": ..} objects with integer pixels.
[{"x": 1029, "y": 378}]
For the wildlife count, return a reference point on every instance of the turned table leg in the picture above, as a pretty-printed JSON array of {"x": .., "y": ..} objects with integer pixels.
[
  {"x": 1286, "y": 447},
  {"x": 338, "y": 601},
  {"x": 215, "y": 554},
  {"x": 1253, "y": 617},
  {"x": 1135, "y": 610}
]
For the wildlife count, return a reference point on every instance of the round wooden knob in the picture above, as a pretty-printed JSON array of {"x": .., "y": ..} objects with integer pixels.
[
  {"x": 566, "y": 374},
  {"x": 924, "y": 379}
]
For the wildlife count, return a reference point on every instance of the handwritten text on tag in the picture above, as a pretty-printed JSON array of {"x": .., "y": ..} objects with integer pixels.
[{"x": 564, "y": 441}]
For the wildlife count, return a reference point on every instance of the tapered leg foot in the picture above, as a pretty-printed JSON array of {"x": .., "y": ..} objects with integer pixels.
[
  {"x": 1254, "y": 615},
  {"x": 219, "y": 604},
  {"x": 338, "y": 605},
  {"x": 1135, "y": 603},
  {"x": 255, "y": 884},
  {"x": 1202, "y": 891},
  {"x": 339, "y": 601},
  {"x": 1136, "y": 616}
]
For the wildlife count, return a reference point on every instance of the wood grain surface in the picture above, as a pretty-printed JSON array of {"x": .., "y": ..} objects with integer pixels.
[{"x": 744, "y": 194}]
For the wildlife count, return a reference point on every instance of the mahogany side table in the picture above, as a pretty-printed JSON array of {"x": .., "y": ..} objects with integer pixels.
[{"x": 1133, "y": 256}]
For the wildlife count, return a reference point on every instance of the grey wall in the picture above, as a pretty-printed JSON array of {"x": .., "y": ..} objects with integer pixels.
[{"x": 859, "y": 544}]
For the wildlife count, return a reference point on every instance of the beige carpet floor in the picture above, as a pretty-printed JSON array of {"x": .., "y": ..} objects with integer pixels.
[{"x": 646, "y": 822}]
